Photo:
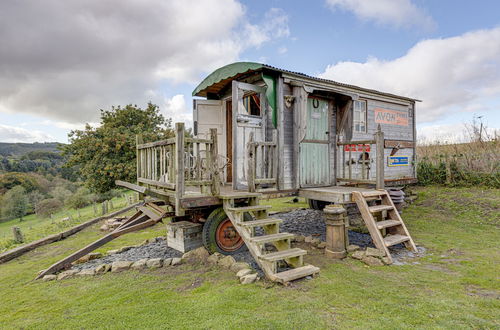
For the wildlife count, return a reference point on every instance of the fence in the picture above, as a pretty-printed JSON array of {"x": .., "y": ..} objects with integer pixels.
[{"x": 262, "y": 170}]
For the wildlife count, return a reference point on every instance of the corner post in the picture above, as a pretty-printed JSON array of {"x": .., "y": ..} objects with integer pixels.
[
  {"x": 251, "y": 164},
  {"x": 138, "y": 156},
  {"x": 379, "y": 141},
  {"x": 179, "y": 171},
  {"x": 215, "y": 166}
]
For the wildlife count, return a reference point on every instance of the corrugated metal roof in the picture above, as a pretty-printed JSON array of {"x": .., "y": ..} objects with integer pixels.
[{"x": 220, "y": 77}]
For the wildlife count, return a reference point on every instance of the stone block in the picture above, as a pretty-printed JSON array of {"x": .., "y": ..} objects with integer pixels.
[
  {"x": 154, "y": 263},
  {"x": 237, "y": 266},
  {"x": 247, "y": 279},
  {"x": 176, "y": 261},
  {"x": 243, "y": 272},
  {"x": 352, "y": 248},
  {"x": 49, "y": 278},
  {"x": 358, "y": 255},
  {"x": 372, "y": 261},
  {"x": 119, "y": 266},
  {"x": 66, "y": 274},
  {"x": 226, "y": 262},
  {"x": 139, "y": 264}
]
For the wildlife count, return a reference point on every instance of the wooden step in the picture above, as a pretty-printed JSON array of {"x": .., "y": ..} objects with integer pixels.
[
  {"x": 395, "y": 239},
  {"x": 271, "y": 238},
  {"x": 260, "y": 222},
  {"x": 387, "y": 223},
  {"x": 252, "y": 208},
  {"x": 296, "y": 273},
  {"x": 379, "y": 208},
  {"x": 285, "y": 254},
  {"x": 374, "y": 193}
]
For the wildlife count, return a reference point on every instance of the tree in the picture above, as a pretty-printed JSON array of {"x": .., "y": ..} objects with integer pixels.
[
  {"x": 107, "y": 153},
  {"x": 15, "y": 203},
  {"x": 47, "y": 206}
]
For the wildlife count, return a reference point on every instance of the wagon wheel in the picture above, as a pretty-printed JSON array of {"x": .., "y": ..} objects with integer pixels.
[{"x": 219, "y": 234}]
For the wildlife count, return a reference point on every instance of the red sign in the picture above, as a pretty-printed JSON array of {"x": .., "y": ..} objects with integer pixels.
[{"x": 357, "y": 147}]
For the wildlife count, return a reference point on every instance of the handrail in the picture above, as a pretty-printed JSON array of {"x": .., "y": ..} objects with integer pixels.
[
  {"x": 178, "y": 164},
  {"x": 363, "y": 146},
  {"x": 262, "y": 162}
]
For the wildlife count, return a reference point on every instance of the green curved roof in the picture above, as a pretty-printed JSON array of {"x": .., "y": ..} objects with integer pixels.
[{"x": 226, "y": 72}]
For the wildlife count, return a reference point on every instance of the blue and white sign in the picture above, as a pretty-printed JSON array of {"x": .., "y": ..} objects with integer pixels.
[{"x": 398, "y": 161}]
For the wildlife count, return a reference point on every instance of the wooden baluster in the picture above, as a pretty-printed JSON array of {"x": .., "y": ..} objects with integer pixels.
[{"x": 179, "y": 182}]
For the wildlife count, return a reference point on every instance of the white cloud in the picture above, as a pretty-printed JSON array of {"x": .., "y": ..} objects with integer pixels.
[
  {"x": 397, "y": 13},
  {"x": 18, "y": 134},
  {"x": 449, "y": 75},
  {"x": 177, "y": 109},
  {"x": 66, "y": 61}
]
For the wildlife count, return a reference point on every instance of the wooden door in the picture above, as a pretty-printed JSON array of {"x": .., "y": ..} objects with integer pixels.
[
  {"x": 229, "y": 140},
  {"x": 314, "y": 152}
]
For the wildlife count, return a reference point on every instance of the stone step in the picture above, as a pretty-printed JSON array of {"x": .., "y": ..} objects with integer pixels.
[
  {"x": 281, "y": 255},
  {"x": 379, "y": 208},
  {"x": 387, "y": 223},
  {"x": 260, "y": 222},
  {"x": 395, "y": 239},
  {"x": 271, "y": 238},
  {"x": 296, "y": 273}
]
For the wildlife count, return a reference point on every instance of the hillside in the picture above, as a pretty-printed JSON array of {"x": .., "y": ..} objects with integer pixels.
[{"x": 18, "y": 150}]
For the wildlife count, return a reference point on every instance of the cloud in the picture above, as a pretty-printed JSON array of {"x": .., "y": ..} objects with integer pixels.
[
  {"x": 396, "y": 13},
  {"x": 176, "y": 108},
  {"x": 18, "y": 134},
  {"x": 65, "y": 61},
  {"x": 461, "y": 73},
  {"x": 452, "y": 133}
]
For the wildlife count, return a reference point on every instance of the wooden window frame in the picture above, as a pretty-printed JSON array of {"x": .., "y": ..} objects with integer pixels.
[{"x": 363, "y": 116}]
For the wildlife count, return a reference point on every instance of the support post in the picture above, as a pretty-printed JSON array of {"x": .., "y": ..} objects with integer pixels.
[
  {"x": 379, "y": 140},
  {"x": 251, "y": 164},
  {"x": 215, "y": 165},
  {"x": 179, "y": 171},
  {"x": 335, "y": 231},
  {"x": 18, "y": 235}
]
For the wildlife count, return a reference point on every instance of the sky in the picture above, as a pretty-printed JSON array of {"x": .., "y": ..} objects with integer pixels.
[{"x": 63, "y": 61}]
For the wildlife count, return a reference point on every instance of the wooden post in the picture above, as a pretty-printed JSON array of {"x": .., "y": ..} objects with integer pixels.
[
  {"x": 251, "y": 164},
  {"x": 215, "y": 165},
  {"x": 18, "y": 235},
  {"x": 179, "y": 171},
  {"x": 379, "y": 140},
  {"x": 95, "y": 208},
  {"x": 275, "y": 159}
]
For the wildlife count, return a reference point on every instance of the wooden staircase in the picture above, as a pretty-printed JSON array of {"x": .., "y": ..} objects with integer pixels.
[
  {"x": 268, "y": 261},
  {"x": 385, "y": 231}
]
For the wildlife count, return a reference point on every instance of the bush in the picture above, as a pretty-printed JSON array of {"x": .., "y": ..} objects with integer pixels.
[
  {"x": 81, "y": 198},
  {"x": 47, "y": 207},
  {"x": 60, "y": 193},
  {"x": 15, "y": 203}
]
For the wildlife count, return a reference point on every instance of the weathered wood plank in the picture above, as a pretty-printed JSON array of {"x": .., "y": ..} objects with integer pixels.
[{"x": 156, "y": 143}]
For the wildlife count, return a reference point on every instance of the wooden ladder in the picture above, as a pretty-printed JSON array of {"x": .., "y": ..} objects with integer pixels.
[
  {"x": 385, "y": 231},
  {"x": 256, "y": 244}
]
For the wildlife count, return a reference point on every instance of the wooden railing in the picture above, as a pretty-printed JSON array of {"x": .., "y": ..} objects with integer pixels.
[
  {"x": 262, "y": 170},
  {"x": 358, "y": 169},
  {"x": 180, "y": 164}
]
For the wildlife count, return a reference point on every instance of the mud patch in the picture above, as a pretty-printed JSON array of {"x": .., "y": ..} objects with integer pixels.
[{"x": 476, "y": 291}]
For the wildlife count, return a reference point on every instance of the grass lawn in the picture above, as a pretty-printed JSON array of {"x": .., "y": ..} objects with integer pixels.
[{"x": 456, "y": 285}]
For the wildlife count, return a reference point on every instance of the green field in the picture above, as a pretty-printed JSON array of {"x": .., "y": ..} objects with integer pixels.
[
  {"x": 34, "y": 227},
  {"x": 456, "y": 285}
]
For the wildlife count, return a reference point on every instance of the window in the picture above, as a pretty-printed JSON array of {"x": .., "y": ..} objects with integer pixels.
[
  {"x": 252, "y": 104},
  {"x": 359, "y": 114}
]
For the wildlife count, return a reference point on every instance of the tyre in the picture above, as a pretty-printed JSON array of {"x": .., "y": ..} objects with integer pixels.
[
  {"x": 317, "y": 205},
  {"x": 219, "y": 234}
]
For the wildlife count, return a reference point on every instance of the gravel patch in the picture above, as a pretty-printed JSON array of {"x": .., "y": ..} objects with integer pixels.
[{"x": 158, "y": 249}]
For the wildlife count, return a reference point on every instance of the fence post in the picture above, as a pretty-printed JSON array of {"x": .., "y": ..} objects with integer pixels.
[
  {"x": 251, "y": 164},
  {"x": 215, "y": 165},
  {"x": 18, "y": 235},
  {"x": 179, "y": 171},
  {"x": 379, "y": 140}
]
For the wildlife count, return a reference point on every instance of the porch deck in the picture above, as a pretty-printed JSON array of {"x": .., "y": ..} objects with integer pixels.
[{"x": 332, "y": 194}]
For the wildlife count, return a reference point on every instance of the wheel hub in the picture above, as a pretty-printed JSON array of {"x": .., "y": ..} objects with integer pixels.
[{"x": 227, "y": 238}]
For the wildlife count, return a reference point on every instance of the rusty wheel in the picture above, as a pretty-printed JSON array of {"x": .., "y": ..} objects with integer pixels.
[{"x": 219, "y": 234}]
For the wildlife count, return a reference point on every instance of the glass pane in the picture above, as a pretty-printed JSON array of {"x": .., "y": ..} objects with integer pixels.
[{"x": 356, "y": 115}]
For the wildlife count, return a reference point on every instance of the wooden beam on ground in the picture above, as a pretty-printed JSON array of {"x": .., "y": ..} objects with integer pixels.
[{"x": 16, "y": 252}]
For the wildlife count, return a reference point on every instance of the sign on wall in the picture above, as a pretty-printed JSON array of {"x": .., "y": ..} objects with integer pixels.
[
  {"x": 398, "y": 161},
  {"x": 357, "y": 147},
  {"x": 391, "y": 117}
]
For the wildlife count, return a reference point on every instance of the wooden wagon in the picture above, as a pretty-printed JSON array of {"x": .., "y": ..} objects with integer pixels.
[{"x": 263, "y": 130}]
